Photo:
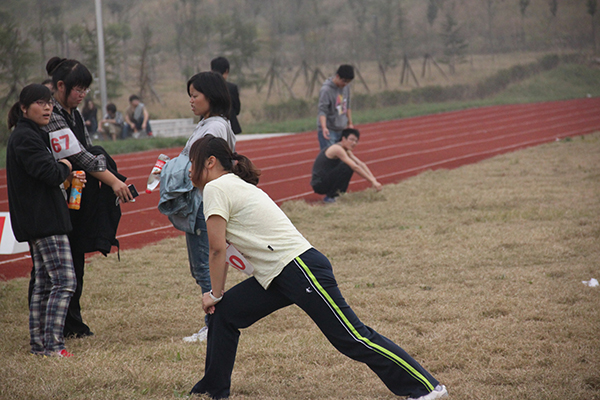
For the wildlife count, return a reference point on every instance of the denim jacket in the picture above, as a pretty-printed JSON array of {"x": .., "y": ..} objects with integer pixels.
[{"x": 179, "y": 199}]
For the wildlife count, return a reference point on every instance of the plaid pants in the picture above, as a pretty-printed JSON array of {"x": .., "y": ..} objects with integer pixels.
[{"x": 54, "y": 285}]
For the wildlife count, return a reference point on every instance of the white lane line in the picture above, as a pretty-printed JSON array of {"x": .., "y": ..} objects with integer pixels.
[
  {"x": 469, "y": 116},
  {"x": 380, "y": 131},
  {"x": 155, "y": 208},
  {"x": 430, "y": 165},
  {"x": 28, "y": 256},
  {"x": 144, "y": 231},
  {"x": 437, "y": 128},
  {"x": 372, "y": 150},
  {"x": 427, "y": 151}
]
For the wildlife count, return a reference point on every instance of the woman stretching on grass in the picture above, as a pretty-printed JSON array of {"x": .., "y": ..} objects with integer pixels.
[{"x": 287, "y": 270}]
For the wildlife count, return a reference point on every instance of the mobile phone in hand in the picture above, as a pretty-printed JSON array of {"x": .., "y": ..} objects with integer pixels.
[{"x": 133, "y": 192}]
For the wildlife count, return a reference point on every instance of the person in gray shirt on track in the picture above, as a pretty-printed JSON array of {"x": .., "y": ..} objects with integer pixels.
[{"x": 334, "y": 106}]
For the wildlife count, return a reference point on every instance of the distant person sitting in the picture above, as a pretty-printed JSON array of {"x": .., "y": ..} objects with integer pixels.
[
  {"x": 334, "y": 106},
  {"x": 112, "y": 123},
  {"x": 221, "y": 65},
  {"x": 137, "y": 119},
  {"x": 335, "y": 165},
  {"x": 90, "y": 116}
]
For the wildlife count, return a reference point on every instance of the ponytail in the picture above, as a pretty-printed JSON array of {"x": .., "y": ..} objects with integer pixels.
[
  {"x": 53, "y": 64},
  {"x": 14, "y": 114},
  {"x": 210, "y": 146},
  {"x": 245, "y": 169}
]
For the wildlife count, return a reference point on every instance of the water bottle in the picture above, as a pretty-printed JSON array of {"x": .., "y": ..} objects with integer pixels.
[
  {"x": 76, "y": 189},
  {"x": 154, "y": 178}
]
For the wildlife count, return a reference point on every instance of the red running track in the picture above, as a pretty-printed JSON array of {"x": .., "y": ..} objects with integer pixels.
[{"x": 394, "y": 151}]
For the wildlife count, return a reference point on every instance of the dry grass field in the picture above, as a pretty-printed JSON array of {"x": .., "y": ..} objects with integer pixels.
[{"x": 477, "y": 272}]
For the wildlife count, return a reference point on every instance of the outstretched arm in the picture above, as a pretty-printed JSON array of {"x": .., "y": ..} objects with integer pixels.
[
  {"x": 119, "y": 187},
  {"x": 217, "y": 261},
  {"x": 366, "y": 172},
  {"x": 357, "y": 165}
]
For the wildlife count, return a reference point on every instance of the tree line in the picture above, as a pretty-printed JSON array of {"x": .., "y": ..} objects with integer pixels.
[{"x": 256, "y": 35}]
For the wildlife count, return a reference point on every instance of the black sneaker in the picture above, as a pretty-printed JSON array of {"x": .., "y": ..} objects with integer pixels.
[{"x": 78, "y": 335}]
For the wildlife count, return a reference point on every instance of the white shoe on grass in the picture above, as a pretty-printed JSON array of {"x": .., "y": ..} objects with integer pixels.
[
  {"x": 197, "y": 337},
  {"x": 438, "y": 393}
]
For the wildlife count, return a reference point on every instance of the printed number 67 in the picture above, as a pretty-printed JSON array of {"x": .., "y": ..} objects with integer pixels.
[{"x": 56, "y": 143}]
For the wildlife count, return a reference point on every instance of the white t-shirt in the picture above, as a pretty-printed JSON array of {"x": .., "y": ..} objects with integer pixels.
[{"x": 256, "y": 226}]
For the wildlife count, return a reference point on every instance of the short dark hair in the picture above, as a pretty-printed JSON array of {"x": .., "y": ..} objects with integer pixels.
[
  {"x": 111, "y": 108},
  {"x": 29, "y": 95},
  {"x": 346, "y": 71},
  {"x": 133, "y": 97},
  {"x": 212, "y": 86},
  {"x": 71, "y": 72},
  {"x": 350, "y": 131},
  {"x": 220, "y": 65}
]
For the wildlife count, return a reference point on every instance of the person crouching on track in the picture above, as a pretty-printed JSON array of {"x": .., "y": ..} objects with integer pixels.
[{"x": 335, "y": 165}]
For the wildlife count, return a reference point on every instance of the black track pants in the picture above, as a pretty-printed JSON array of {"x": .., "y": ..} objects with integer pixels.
[{"x": 308, "y": 282}]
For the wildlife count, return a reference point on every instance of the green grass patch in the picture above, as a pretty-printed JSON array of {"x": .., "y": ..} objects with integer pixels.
[
  {"x": 566, "y": 82},
  {"x": 135, "y": 145}
]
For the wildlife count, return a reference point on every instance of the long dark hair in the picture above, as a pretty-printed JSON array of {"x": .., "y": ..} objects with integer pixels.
[
  {"x": 212, "y": 86},
  {"x": 29, "y": 95},
  {"x": 210, "y": 145},
  {"x": 71, "y": 72}
]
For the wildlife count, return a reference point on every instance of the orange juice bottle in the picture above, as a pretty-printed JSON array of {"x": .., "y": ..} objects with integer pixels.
[{"x": 76, "y": 189}]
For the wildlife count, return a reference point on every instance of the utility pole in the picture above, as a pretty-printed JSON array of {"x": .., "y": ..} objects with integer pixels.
[{"x": 101, "y": 69}]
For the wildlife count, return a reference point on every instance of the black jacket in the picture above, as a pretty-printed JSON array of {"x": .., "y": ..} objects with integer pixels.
[
  {"x": 37, "y": 205},
  {"x": 95, "y": 223},
  {"x": 235, "y": 107}
]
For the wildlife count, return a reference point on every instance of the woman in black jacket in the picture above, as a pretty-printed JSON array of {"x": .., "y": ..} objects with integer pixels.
[{"x": 39, "y": 215}]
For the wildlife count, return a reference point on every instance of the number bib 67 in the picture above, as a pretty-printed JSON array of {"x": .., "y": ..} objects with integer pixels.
[{"x": 64, "y": 143}]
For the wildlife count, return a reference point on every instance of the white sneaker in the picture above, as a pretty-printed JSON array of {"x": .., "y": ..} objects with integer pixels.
[
  {"x": 198, "y": 337},
  {"x": 439, "y": 392}
]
